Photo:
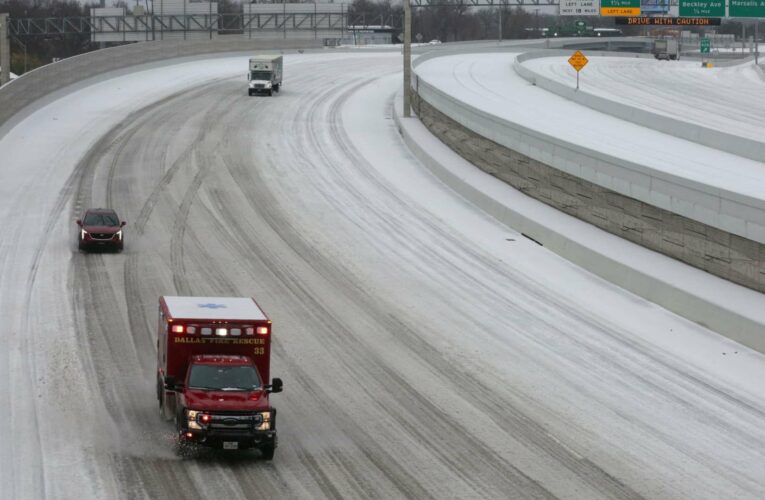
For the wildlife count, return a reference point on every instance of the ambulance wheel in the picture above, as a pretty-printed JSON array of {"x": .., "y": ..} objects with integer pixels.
[
  {"x": 163, "y": 407},
  {"x": 268, "y": 452}
]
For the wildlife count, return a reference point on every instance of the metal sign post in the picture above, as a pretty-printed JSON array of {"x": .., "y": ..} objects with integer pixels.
[
  {"x": 705, "y": 47},
  {"x": 578, "y": 61}
]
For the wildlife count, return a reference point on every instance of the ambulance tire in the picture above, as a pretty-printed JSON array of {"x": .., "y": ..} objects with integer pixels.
[{"x": 268, "y": 452}]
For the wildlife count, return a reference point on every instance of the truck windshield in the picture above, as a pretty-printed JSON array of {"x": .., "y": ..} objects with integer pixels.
[
  {"x": 224, "y": 378},
  {"x": 260, "y": 75}
]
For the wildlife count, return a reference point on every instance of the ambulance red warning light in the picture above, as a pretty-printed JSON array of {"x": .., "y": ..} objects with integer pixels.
[{"x": 213, "y": 368}]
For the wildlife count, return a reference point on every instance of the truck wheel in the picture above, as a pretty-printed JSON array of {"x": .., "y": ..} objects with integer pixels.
[
  {"x": 270, "y": 92},
  {"x": 276, "y": 88},
  {"x": 249, "y": 92},
  {"x": 163, "y": 410},
  {"x": 268, "y": 452}
]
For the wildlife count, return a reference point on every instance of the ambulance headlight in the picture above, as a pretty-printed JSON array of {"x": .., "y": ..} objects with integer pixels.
[
  {"x": 192, "y": 416},
  {"x": 263, "y": 421}
]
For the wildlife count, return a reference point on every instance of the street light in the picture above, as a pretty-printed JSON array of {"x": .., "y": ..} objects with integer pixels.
[{"x": 407, "y": 57}]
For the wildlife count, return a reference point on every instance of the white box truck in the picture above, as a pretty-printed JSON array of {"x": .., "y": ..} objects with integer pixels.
[
  {"x": 265, "y": 75},
  {"x": 666, "y": 48}
]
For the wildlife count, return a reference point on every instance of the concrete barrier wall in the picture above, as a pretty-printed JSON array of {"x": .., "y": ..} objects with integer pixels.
[
  {"x": 659, "y": 211},
  {"x": 725, "y": 308},
  {"x": 49, "y": 82},
  {"x": 741, "y": 146},
  {"x": 728, "y": 211}
]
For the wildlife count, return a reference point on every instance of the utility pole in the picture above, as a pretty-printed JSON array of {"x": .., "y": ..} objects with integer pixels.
[
  {"x": 5, "y": 50},
  {"x": 499, "y": 35},
  {"x": 499, "y": 9},
  {"x": 756, "y": 42},
  {"x": 407, "y": 58}
]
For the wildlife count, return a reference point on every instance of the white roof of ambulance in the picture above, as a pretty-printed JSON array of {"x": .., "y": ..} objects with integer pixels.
[{"x": 232, "y": 308}]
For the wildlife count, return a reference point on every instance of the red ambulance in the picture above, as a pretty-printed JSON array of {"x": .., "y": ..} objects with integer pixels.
[{"x": 213, "y": 361}]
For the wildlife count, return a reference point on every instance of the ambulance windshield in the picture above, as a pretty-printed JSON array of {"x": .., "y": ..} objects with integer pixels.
[{"x": 224, "y": 378}]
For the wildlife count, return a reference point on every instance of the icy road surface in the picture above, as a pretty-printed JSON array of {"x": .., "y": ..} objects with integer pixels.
[{"x": 427, "y": 351}]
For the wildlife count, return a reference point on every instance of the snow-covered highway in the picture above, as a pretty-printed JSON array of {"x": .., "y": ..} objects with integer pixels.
[{"x": 427, "y": 351}]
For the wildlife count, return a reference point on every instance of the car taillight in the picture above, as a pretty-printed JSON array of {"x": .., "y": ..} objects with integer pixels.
[{"x": 262, "y": 330}]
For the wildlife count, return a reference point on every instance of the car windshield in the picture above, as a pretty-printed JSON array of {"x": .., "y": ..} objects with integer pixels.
[
  {"x": 260, "y": 75},
  {"x": 224, "y": 378},
  {"x": 101, "y": 220}
]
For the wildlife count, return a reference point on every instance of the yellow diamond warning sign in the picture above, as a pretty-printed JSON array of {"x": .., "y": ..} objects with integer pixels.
[{"x": 578, "y": 61}]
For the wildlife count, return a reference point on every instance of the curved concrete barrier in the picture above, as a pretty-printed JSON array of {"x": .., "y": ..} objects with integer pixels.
[
  {"x": 732, "y": 212},
  {"x": 730, "y": 310},
  {"x": 710, "y": 228},
  {"x": 741, "y": 146},
  {"x": 51, "y": 81}
]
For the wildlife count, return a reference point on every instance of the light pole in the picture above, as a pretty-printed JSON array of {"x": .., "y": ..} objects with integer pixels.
[
  {"x": 499, "y": 9},
  {"x": 407, "y": 58},
  {"x": 5, "y": 50},
  {"x": 756, "y": 42}
]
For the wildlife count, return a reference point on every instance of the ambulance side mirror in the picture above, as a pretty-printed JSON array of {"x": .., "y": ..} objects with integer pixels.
[{"x": 276, "y": 385}]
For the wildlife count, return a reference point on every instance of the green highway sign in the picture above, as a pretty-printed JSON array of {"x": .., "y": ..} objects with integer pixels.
[
  {"x": 619, "y": 7},
  {"x": 703, "y": 8},
  {"x": 705, "y": 46},
  {"x": 747, "y": 8}
]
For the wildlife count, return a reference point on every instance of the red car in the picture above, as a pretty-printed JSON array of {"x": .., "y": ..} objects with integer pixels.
[{"x": 100, "y": 228}]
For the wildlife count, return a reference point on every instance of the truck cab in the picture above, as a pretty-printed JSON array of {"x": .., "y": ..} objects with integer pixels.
[
  {"x": 213, "y": 361},
  {"x": 264, "y": 75}
]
